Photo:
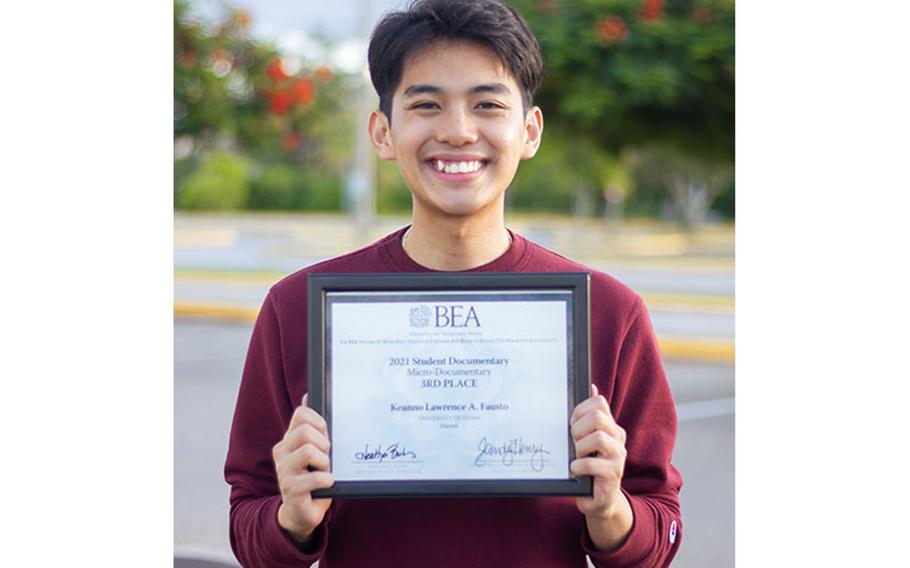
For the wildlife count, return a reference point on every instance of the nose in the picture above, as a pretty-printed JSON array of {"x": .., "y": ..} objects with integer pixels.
[{"x": 457, "y": 128}]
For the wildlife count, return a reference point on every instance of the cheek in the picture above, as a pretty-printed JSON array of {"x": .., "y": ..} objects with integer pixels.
[
  {"x": 411, "y": 136},
  {"x": 509, "y": 142},
  {"x": 508, "y": 130}
]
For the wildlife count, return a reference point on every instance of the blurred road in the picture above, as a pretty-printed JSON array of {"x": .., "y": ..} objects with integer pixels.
[{"x": 224, "y": 265}]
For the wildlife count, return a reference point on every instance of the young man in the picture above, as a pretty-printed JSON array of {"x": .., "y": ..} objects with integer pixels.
[{"x": 455, "y": 80}]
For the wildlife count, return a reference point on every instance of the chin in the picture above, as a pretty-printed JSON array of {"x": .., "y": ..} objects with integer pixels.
[
  {"x": 464, "y": 209},
  {"x": 455, "y": 201}
]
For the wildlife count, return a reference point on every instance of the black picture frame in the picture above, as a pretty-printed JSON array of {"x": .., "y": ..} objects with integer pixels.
[{"x": 320, "y": 287}]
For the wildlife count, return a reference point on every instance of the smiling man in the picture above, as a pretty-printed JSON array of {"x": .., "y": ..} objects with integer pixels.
[
  {"x": 456, "y": 80},
  {"x": 461, "y": 126}
]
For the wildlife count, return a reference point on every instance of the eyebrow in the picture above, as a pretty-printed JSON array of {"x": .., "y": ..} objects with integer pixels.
[{"x": 422, "y": 89}]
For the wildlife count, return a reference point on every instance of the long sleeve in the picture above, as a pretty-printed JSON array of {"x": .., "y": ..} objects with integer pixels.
[
  {"x": 641, "y": 403},
  {"x": 263, "y": 411}
]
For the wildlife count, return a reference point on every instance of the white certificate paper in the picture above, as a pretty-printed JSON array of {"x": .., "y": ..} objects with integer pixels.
[{"x": 468, "y": 387}]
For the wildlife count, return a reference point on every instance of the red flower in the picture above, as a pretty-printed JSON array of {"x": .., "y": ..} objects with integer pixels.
[
  {"x": 323, "y": 73},
  {"x": 291, "y": 141},
  {"x": 187, "y": 58},
  {"x": 279, "y": 102},
  {"x": 652, "y": 10},
  {"x": 611, "y": 29},
  {"x": 275, "y": 71},
  {"x": 304, "y": 91}
]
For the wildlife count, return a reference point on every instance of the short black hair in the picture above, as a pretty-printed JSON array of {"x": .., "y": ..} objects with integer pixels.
[{"x": 490, "y": 23}]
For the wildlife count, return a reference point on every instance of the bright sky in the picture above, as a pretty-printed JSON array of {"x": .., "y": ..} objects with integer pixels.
[{"x": 291, "y": 24}]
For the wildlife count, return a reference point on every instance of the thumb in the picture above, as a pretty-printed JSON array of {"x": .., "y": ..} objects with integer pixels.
[{"x": 593, "y": 389}]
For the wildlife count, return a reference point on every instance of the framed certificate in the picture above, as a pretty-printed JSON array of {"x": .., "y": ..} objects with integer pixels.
[{"x": 449, "y": 384}]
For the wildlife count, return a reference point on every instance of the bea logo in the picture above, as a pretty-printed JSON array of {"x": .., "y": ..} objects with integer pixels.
[
  {"x": 420, "y": 316},
  {"x": 456, "y": 316},
  {"x": 444, "y": 316}
]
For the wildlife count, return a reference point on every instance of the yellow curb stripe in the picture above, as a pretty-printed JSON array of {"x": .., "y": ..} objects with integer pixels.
[
  {"x": 667, "y": 301},
  {"x": 670, "y": 347},
  {"x": 216, "y": 311},
  {"x": 697, "y": 349}
]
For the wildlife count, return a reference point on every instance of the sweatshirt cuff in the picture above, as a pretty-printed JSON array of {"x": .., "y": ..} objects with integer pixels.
[
  {"x": 283, "y": 550},
  {"x": 637, "y": 545}
]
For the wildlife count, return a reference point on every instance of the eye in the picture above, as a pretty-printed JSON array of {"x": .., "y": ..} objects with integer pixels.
[
  {"x": 489, "y": 105},
  {"x": 423, "y": 106}
]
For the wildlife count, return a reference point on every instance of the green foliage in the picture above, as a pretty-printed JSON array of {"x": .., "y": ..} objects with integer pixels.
[
  {"x": 725, "y": 202},
  {"x": 627, "y": 75},
  {"x": 289, "y": 118},
  {"x": 622, "y": 76},
  {"x": 562, "y": 167},
  {"x": 183, "y": 169},
  {"x": 277, "y": 187},
  {"x": 693, "y": 184},
  {"x": 220, "y": 182},
  {"x": 286, "y": 187},
  {"x": 202, "y": 105},
  {"x": 392, "y": 194}
]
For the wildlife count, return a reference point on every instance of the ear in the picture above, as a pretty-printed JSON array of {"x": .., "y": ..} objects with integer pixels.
[
  {"x": 533, "y": 132},
  {"x": 381, "y": 135}
]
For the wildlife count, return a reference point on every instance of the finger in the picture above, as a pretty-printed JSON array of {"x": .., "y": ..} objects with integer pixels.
[
  {"x": 597, "y": 402},
  {"x": 310, "y": 481},
  {"x": 596, "y": 467},
  {"x": 305, "y": 457},
  {"x": 596, "y": 420},
  {"x": 296, "y": 438},
  {"x": 321, "y": 480},
  {"x": 306, "y": 434},
  {"x": 601, "y": 444},
  {"x": 593, "y": 389},
  {"x": 305, "y": 414}
]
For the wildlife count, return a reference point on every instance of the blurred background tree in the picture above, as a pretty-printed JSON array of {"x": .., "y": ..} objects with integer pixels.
[
  {"x": 649, "y": 83},
  {"x": 278, "y": 124},
  {"x": 638, "y": 98}
]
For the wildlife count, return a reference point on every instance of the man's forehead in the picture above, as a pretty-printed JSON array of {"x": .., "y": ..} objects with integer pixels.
[{"x": 450, "y": 64}]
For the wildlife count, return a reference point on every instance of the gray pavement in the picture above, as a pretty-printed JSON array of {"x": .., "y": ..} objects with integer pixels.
[{"x": 208, "y": 361}]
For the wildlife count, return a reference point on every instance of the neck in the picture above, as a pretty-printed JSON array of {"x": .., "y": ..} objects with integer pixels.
[{"x": 455, "y": 245}]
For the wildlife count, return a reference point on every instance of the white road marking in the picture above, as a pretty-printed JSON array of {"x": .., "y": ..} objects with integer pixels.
[{"x": 705, "y": 409}]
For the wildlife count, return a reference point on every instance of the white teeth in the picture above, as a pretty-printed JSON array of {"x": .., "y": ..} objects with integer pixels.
[{"x": 457, "y": 167}]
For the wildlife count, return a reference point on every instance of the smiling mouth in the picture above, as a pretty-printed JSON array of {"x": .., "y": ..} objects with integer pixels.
[{"x": 462, "y": 168}]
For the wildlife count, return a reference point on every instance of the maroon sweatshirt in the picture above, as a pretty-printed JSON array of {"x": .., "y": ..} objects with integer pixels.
[{"x": 457, "y": 532}]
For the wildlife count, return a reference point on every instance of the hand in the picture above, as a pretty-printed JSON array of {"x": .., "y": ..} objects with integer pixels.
[
  {"x": 302, "y": 466},
  {"x": 600, "y": 447}
]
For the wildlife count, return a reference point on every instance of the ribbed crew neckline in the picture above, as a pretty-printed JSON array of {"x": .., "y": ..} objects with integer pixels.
[{"x": 510, "y": 261}]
